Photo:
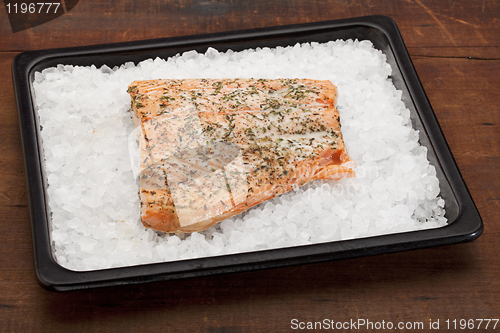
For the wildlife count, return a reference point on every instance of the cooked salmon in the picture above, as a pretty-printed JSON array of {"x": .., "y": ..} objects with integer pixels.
[{"x": 211, "y": 149}]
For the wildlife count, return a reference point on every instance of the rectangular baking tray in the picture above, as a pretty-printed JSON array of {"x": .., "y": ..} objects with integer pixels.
[{"x": 465, "y": 223}]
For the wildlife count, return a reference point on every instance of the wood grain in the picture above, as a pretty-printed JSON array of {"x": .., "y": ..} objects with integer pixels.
[
  {"x": 455, "y": 49},
  {"x": 423, "y": 23}
]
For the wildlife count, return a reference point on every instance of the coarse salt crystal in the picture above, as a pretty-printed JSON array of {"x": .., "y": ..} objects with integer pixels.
[{"x": 92, "y": 191}]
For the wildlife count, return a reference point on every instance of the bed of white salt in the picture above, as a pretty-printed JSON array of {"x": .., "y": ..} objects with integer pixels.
[{"x": 93, "y": 196}]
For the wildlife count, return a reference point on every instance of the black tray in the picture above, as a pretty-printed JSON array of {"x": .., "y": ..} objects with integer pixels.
[{"x": 465, "y": 224}]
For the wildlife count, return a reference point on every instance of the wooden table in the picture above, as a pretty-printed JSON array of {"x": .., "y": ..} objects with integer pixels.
[{"x": 455, "y": 47}]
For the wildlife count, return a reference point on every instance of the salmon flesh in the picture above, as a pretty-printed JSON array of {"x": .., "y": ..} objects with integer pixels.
[{"x": 210, "y": 149}]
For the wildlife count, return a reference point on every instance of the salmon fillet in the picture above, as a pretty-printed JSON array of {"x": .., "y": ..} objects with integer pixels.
[{"x": 211, "y": 149}]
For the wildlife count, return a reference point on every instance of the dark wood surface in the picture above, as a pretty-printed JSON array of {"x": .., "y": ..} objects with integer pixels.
[{"x": 455, "y": 47}]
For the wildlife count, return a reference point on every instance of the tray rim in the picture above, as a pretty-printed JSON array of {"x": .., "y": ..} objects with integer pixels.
[{"x": 467, "y": 226}]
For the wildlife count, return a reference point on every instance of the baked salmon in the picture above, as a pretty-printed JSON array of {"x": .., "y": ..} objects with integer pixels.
[{"x": 211, "y": 149}]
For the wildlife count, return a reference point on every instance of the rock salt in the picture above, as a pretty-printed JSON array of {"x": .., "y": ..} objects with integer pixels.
[{"x": 85, "y": 132}]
